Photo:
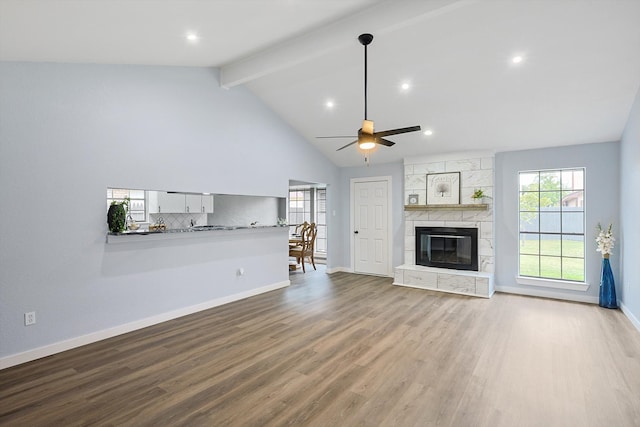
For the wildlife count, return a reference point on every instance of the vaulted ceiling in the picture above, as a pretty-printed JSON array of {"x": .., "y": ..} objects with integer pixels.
[{"x": 579, "y": 73}]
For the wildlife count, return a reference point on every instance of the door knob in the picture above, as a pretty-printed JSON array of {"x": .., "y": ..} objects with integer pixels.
[{"x": 355, "y": 232}]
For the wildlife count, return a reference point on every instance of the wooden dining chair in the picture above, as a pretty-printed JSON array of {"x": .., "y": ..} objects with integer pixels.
[
  {"x": 300, "y": 227},
  {"x": 306, "y": 247}
]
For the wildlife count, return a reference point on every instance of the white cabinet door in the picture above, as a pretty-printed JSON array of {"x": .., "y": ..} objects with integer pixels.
[
  {"x": 196, "y": 203},
  {"x": 171, "y": 202},
  {"x": 153, "y": 201},
  {"x": 207, "y": 203},
  {"x": 193, "y": 203}
]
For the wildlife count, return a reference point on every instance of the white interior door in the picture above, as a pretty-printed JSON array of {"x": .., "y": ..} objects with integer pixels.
[{"x": 371, "y": 227}]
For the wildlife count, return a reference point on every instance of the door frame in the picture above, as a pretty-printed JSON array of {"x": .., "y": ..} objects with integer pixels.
[{"x": 389, "y": 221}]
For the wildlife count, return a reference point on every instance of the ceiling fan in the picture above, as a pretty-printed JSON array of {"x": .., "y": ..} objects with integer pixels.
[{"x": 367, "y": 137}]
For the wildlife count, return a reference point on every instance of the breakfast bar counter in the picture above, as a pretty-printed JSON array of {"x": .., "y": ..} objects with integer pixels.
[{"x": 197, "y": 232}]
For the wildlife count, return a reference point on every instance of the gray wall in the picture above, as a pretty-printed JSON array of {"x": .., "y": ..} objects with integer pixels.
[
  {"x": 602, "y": 203},
  {"x": 396, "y": 171},
  {"x": 70, "y": 131},
  {"x": 629, "y": 231}
]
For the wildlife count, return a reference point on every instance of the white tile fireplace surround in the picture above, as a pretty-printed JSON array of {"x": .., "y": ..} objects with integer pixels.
[{"x": 476, "y": 172}]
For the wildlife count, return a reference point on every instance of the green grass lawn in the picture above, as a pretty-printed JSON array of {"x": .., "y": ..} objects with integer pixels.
[{"x": 552, "y": 259}]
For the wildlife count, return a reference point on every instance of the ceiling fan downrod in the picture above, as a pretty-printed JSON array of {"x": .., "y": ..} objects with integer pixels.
[{"x": 365, "y": 40}]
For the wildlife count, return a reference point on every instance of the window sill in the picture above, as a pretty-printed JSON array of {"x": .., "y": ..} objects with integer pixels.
[{"x": 550, "y": 283}]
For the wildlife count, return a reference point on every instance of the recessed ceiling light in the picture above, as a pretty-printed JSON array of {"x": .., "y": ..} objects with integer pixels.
[
  {"x": 329, "y": 104},
  {"x": 192, "y": 37},
  {"x": 405, "y": 86},
  {"x": 428, "y": 132},
  {"x": 517, "y": 59}
]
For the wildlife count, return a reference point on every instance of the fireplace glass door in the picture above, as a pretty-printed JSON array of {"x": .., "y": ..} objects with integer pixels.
[{"x": 445, "y": 247}]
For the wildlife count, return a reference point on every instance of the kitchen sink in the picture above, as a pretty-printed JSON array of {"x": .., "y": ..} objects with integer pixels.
[{"x": 209, "y": 227}]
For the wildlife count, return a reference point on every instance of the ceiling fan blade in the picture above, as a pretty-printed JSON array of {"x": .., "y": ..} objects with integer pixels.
[
  {"x": 396, "y": 131},
  {"x": 348, "y": 145},
  {"x": 385, "y": 142},
  {"x": 367, "y": 126},
  {"x": 342, "y": 136}
]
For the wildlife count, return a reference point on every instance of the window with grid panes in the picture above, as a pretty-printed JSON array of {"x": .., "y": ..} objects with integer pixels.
[
  {"x": 551, "y": 224},
  {"x": 299, "y": 207}
]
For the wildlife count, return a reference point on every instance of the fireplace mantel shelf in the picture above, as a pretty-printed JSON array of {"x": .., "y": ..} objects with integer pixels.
[{"x": 465, "y": 207}]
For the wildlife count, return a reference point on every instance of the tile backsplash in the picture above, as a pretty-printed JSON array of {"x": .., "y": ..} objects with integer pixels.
[{"x": 179, "y": 220}]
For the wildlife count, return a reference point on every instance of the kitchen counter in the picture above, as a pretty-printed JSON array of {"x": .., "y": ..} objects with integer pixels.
[{"x": 202, "y": 231}]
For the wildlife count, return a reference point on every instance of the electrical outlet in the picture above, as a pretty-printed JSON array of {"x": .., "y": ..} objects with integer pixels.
[{"x": 30, "y": 318}]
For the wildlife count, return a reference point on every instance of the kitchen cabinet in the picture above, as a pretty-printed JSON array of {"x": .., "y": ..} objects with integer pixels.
[
  {"x": 196, "y": 203},
  {"x": 168, "y": 203},
  {"x": 171, "y": 202},
  {"x": 207, "y": 203}
]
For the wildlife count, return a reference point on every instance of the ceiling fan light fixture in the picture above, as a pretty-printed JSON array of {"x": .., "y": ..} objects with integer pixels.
[{"x": 367, "y": 145}]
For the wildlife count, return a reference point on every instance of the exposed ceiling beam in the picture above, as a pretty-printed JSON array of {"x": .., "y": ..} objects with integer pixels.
[{"x": 379, "y": 19}]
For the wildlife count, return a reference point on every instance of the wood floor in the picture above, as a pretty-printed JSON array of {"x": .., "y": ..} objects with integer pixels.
[{"x": 346, "y": 350}]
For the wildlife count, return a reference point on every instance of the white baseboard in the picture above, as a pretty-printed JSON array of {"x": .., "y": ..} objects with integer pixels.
[
  {"x": 542, "y": 293},
  {"x": 48, "y": 350},
  {"x": 634, "y": 320},
  {"x": 339, "y": 270}
]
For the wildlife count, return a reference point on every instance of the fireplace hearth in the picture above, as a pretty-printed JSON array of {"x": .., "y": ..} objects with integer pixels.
[{"x": 447, "y": 247}]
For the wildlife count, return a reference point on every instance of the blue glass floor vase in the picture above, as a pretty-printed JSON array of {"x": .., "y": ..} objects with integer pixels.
[{"x": 607, "y": 286}]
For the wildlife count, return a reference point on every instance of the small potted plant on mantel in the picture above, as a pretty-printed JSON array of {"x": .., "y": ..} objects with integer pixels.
[{"x": 478, "y": 195}]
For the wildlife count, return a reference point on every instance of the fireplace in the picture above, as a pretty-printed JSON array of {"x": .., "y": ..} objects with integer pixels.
[{"x": 447, "y": 247}]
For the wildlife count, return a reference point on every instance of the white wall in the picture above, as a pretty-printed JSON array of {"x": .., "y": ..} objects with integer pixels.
[
  {"x": 602, "y": 204},
  {"x": 70, "y": 131},
  {"x": 629, "y": 230}
]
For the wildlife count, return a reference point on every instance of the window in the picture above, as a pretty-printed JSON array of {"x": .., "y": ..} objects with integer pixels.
[
  {"x": 321, "y": 219},
  {"x": 137, "y": 205},
  {"x": 299, "y": 207},
  {"x": 309, "y": 204},
  {"x": 552, "y": 224}
]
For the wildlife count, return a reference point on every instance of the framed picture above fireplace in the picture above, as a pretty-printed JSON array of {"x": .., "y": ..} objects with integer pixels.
[{"x": 443, "y": 188}]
